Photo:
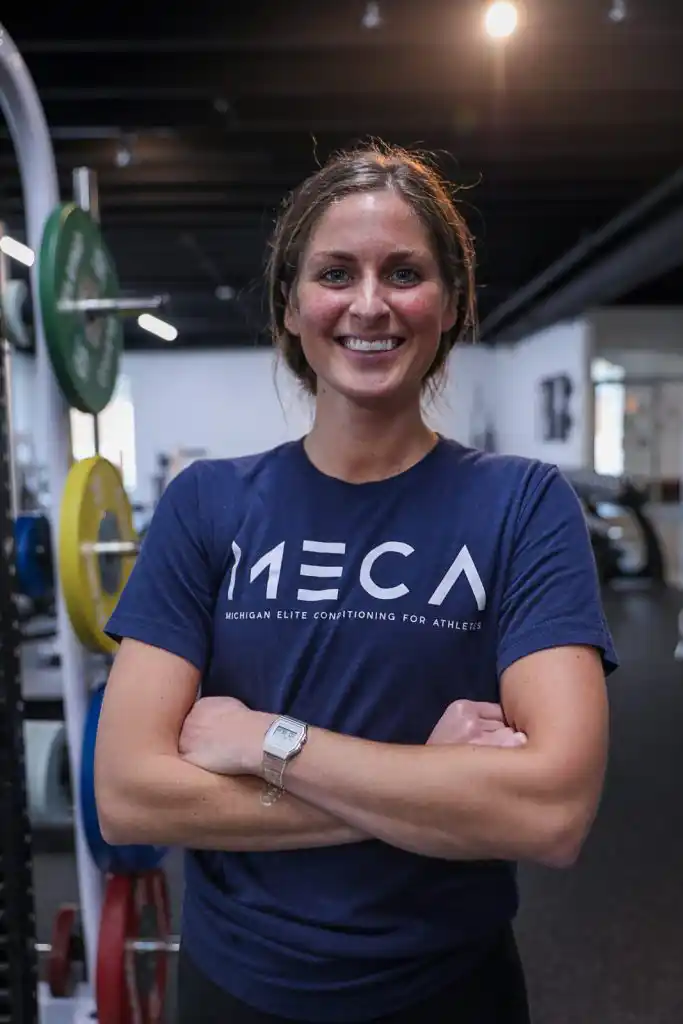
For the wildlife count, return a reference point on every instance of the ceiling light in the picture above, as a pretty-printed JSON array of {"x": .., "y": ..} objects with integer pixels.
[
  {"x": 618, "y": 11},
  {"x": 17, "y": 250},
  {"x": 372, "y": 17},
  {"x": 163, "y": 330},
  {"x": 501, "y": 19}
]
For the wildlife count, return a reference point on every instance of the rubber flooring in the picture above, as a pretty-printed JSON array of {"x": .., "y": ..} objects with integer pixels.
[{"x": 602, "y": 942}]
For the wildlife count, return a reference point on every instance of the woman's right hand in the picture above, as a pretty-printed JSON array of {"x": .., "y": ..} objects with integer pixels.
[{"x": 476, "y": 723}]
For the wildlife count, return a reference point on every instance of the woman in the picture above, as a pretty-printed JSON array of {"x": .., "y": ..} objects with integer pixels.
[{"x": 427, "y": 618}]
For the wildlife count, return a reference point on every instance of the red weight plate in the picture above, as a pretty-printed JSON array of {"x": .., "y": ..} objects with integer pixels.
[
  {"x": 61, "y": 976},
  {"x": 130, "y": 985}
]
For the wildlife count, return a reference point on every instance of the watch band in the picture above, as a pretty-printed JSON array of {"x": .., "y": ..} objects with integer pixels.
[{"x": 274, "y": 770}]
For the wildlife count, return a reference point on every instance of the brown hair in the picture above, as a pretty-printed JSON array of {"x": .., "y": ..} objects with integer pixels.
[{"x": 371, "y": 168}]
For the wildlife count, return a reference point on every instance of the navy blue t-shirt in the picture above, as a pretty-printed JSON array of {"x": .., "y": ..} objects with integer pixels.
[{"x": 365, "y": 609}]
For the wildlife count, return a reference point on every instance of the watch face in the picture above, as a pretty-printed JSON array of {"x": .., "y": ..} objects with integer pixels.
[
  {"x": 284, "y": 733},
  {"x": 284, "y": 739}
]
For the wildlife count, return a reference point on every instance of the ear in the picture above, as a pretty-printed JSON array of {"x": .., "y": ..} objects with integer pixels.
[{"x": 291, "y": 315}]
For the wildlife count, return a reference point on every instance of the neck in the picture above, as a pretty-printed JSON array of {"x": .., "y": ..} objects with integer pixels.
[{"x": 360, "y": 445}]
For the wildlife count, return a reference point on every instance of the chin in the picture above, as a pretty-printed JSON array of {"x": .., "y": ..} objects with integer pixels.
[
  {"x": 378, "y": 385},
  {"x": 375, "y": 394}
]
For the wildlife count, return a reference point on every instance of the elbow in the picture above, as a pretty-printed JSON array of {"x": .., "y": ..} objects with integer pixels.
[
  {"x": 562, "y": 836},
  {"x": 118, "y": 814},
  {"x": 116, "y": 827}
]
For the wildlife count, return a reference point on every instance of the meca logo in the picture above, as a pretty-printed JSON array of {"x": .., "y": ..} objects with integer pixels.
[{"x": 271, "y": 563}]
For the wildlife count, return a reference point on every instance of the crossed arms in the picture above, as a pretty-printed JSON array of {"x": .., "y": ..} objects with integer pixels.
[{"x": 452, "y": 801}]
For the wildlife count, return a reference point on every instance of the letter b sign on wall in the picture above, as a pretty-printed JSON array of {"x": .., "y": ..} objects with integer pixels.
[{"x": 555, "y": 403}]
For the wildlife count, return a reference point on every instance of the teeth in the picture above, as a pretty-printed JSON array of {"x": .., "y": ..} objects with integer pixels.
[{"x": 361, "y": 345}]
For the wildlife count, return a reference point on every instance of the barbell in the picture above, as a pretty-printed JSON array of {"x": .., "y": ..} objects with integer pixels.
[
  {"x": 44, "y": 949},
  {"x": 133, "y": 950}
]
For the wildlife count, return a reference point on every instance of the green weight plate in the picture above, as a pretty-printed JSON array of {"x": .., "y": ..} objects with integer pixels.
[{"x": 74, "y": 263}]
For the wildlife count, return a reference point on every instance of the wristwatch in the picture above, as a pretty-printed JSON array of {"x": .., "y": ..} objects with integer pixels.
[{"x": 283, "y": 741}]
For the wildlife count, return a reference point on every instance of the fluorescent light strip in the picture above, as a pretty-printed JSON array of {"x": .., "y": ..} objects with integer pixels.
[
  {"x": 17, "y": 250},
  {"x": 156, "y": 326}
]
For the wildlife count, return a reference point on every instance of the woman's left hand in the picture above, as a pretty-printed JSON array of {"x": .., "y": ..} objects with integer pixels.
[{"x": 223, "y": 736}]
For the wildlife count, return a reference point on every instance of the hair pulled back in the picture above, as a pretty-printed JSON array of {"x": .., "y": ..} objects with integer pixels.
[{"x": 371, "y": 168}]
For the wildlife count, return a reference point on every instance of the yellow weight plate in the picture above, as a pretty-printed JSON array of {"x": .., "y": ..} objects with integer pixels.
[{"x": 95, "y": 508}]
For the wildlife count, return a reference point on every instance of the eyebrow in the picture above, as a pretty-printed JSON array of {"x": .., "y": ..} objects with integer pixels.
[{"x": 336, "y": 254}]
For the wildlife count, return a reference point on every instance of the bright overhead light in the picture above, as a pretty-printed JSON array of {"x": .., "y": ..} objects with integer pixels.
[
  {"x": 17, "y": 250},
  {"x": 156, "y": 326},
  {"x": 501, "y": 19}
]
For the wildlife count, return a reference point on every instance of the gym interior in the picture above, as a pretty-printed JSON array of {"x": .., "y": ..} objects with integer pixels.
[{"x": 145, "y": 152}]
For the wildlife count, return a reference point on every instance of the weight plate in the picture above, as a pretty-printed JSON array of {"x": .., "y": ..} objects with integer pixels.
[
  {"x": 74, "y": 263},
  {"x": 131, "y": 987},
  {"x": 115, "y": 860},
  {"x": 62, "y": 963},
  {"x": 33, "y": 545},
  {"x": 95, "y": 507}
]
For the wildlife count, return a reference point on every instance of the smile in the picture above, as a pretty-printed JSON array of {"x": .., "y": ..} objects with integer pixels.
[{"x": 370, "y": 345}]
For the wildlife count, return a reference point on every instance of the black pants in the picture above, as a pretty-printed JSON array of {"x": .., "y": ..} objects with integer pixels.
[{"x": 495, "y": 993}]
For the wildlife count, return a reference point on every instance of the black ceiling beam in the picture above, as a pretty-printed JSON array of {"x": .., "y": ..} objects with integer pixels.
[
  {"x": 458, "y": 66},
  {"x": 639, "y": 245}
]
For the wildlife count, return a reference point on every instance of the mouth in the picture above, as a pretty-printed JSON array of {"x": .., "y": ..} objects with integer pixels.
[{"x": 369, "y": 345}]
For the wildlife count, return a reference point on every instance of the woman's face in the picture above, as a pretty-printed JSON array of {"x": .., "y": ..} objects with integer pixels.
[{"x": 369, "y": 305}]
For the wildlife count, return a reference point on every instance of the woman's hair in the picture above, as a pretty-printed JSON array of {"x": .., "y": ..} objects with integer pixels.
[{"x": 371, "y": 168}]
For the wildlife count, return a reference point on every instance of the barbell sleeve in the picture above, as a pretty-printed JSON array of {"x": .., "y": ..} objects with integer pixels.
[
  {"x": 111, "y": 547},
  {"x": 126, "y": 307}
]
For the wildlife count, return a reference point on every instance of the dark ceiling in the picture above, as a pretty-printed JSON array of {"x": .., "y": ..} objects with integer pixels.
[{"x": 199, "y": 118}]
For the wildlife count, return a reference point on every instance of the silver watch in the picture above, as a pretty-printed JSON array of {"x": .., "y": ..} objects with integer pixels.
[{"x": 283, "y": 741}]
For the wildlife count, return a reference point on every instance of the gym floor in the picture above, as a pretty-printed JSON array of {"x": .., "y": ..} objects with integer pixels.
[{"x": 603, "y": 942}]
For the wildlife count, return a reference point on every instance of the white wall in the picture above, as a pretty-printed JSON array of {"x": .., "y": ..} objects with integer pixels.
[
  {"x": 464, "y": 405},
  {"x": 23, "y": 378},
  {"x": 223, "y": 402},
  {"x": 519, "y": 369}
]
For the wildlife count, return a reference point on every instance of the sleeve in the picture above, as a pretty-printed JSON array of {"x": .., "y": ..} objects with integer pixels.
[
  {"x": 552, "y": 593},
  {"x": 168, "y": 601}
]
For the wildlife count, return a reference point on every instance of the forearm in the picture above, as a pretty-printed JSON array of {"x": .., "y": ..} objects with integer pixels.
[
  {"x": 454, "y": 802},
  {"x": 167, "y": 801}
]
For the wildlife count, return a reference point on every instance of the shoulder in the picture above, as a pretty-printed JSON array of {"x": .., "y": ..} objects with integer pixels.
[
  {"x": 503, "y": 478},
  {"x": 211, "y": 495},
  {"x": 211, "y": 479}
]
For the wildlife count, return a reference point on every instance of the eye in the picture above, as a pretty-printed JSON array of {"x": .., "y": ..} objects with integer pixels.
[
  {"x": 335, "y": 275},
  {"x": 406, "y": 276}
]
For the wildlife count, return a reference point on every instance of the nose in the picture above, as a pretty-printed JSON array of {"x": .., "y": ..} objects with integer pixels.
[{"x": 368, "y": 302}]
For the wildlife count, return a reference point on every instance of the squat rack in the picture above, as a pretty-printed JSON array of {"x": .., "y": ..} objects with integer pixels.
[{"x": 28, "y": 128}]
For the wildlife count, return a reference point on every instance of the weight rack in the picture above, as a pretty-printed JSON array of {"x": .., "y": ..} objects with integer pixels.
[
  {"x": 18, "y": 958},
  {"x": 25, "y": 118}
]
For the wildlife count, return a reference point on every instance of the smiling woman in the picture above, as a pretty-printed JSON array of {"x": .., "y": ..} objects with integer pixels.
[
  {"x": 414, "y": 240},
  {"x": 399, "y": 645}
]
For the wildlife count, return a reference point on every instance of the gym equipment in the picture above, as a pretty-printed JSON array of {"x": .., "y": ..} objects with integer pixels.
[
  {"x": 65, "y": 953},
  {"x": 606, "y": 550},
  {"x": 81, "y": 307},
  {"x": 131, "y": 989},
  {"x": 97, "y": 547},
  {"x": 33, "y": 545},
  {"x": 118, "y": 860},
  {"x": 35, "y": 158},
  {"x": 18, "y": 963},
  {"x": 50, "y": 800},
  {"x": 18, "y": 314},
  {"x": 84, "y": 336},
  {"x": 597, "y": 492}
]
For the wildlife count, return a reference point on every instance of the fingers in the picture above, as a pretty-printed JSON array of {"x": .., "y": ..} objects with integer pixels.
[
  {"x": 488, "y": 712},
  {"x": 499, "y": 738},
  {"x": 490, "y": 725}
]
